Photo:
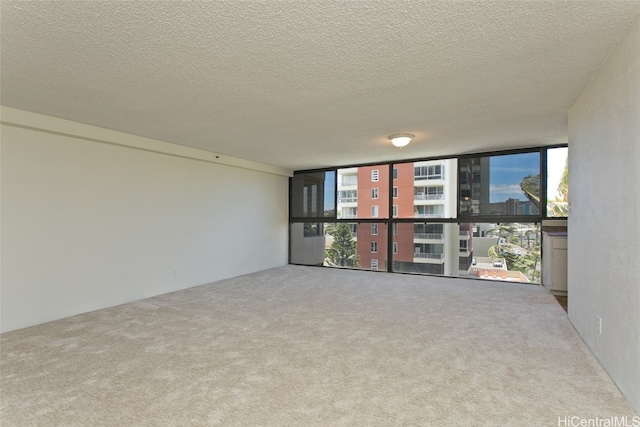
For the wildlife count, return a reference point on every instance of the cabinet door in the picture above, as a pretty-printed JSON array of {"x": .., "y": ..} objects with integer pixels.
[{"x": 559, "y": 272}]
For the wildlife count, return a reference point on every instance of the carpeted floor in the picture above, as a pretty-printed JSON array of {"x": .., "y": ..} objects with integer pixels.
[{"x": 305, "y": 346}]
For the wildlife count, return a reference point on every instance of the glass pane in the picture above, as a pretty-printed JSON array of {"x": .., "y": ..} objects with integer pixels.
[
  {"x": 500, "y": 185},
  {"x": 425, "y": 189},
  {"x": 428, "y": 248},
  {"x": 343, "y": 245},
  {"x": 372, "y": 248},
  {"x": 557, "y": 182},
  {"x": 506, "y": 252},
  {"x": 306, "y": 247},
  {"x": 312, "y": 229},
  {"x": 313, "y": 195},
  {"x": 363, "y": 192}
]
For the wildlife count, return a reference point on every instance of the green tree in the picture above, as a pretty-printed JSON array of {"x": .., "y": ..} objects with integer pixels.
[
  {"x": 533, "y": 258},
  {"x": 560, "y": 206},
  {"x": 516, "y": 261},
  {"x": 343, "y": 251},
  {"x": 526, "y": 264},
  {"x": 503, "y": 230}
]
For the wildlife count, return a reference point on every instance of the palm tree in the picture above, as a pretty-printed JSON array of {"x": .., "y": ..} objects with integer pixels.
[
  {"x": 530, "y": 185},
  {"x": 504, "y": 230},
  {"x": 560, "y": 206}
]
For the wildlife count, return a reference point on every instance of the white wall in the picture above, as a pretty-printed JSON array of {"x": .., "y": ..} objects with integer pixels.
[
  {"x": 87, "y": 224},
  {"x": 604, "y": 223}
]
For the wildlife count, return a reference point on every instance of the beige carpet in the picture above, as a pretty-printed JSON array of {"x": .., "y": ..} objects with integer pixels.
[{"x": 305, "y": 346}]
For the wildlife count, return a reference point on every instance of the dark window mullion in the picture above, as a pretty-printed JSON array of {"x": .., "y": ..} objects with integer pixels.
[
  {"x": 543, "y": 183},
  {"x": 390, "y": 222}
]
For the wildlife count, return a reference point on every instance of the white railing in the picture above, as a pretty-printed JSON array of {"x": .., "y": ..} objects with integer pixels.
[
  {"x": 347, "y": 199},
  {"x": 464, "y": 232},
  {"x": 428, "y": 255},
  {"x": 428, "y": 196},
  {"x": 419, "y": 215},
  {"x": 424, "y": 177},
  {"x": 432, "y": 236}
]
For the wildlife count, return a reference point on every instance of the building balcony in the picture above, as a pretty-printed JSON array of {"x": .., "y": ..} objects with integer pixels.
[
  {"x": 431, "y": 181},
  {"x": 429, "y": 202},
  {"x": 428, "y": 197},
  {"x": 418, "y": 215},
  {"x": 428, "y": 236},
  {"x": 347, "y": 204},
  {"x": 348, "y": 186},
  {"x": 429, "y": 258},
  {"x": 347, "y": 200}
]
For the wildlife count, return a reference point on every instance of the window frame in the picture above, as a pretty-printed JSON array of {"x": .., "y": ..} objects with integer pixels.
[
  {"x": 392, "y": 222},
  {"x": 488, "y": 217}
]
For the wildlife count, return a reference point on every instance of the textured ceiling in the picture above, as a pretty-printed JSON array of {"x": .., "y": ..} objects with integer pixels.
[{"x": 304, "y": 84}]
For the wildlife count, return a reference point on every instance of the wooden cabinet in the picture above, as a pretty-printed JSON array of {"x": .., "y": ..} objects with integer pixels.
[{"x": 554, "y": 262}]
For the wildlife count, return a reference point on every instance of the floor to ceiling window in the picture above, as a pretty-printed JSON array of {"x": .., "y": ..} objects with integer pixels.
[{"x": 474, "y": 216}]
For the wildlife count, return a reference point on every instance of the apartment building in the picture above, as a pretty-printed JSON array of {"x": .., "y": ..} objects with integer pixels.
[{"x": 420, "y": 190}]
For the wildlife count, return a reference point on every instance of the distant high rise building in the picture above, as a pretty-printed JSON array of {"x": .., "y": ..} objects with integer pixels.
[{"x": 513, "y": 207}]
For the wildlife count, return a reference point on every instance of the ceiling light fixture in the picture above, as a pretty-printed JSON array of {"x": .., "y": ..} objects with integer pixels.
[{"x": 401, "y": 139}]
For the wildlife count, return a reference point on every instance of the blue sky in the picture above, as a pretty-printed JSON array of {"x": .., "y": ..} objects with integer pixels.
[
  {"x": 506, "y": 172},
  {"x": 329, "y": 195}
]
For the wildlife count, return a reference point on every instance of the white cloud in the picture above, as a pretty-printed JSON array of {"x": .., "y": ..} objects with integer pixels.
[
  {"x": 526, "y": 171},
  {"x": 505, "y": 189}
]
